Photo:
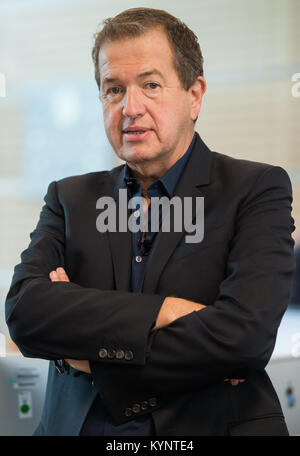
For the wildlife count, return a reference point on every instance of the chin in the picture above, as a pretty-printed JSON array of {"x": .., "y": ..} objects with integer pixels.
[{"x": 136, "y": 156}]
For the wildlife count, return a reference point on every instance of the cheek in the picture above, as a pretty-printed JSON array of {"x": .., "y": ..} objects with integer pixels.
[
  {"x": 181, "y": 111},
  {"x": 111, "y": 123},
  {"x": 169, "y": 123},
  {"x": 174, "y": 111},
  {"x": 163, "y": 116}
]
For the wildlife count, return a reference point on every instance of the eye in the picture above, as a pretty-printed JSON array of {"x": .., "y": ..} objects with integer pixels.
[
  {"x": 152, "y": 85},
  {"x": 114, "y": 90},
  {"x": 113, "y": 93}
]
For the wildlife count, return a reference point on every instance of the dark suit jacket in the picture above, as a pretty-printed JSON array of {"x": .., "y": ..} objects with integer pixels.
[{"x": 241, "y": 271}]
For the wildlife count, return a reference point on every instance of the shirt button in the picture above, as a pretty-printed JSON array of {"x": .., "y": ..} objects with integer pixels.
[
  {"x": 136, "y": 408},
  {"x": 102, "y": 353},
  {"x": 120, "y": 354},
  {"x": 128, "y": 355},
  {"x": 136, "y": 214},
  {"x": 128, "y": 412},
  {"x": 138, "y": 258}
]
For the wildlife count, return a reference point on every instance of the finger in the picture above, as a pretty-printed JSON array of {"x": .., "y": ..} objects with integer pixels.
[
  {"x": 62, "y": 275},
  {"x": 236, "y": 381},
  {"x": 71, "y": 363},
  {"x": 53, "y": 276}
]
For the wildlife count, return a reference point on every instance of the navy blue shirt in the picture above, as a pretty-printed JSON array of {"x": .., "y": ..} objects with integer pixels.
[
  {"x": 164, "y": 186},
  {"x": 98, "y": 421}
]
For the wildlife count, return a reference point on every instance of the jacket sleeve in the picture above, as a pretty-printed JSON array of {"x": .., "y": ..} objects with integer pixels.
[
  {"x": 56, "y": 320},
  {"x": 237, "y": 333}
]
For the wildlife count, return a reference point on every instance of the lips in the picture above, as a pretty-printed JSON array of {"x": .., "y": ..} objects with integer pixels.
[
  {"x": 135, "y": 130},
  {"x": 135, "y": 133}
]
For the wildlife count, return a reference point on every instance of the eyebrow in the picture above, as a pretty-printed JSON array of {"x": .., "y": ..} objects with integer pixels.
[
  {"x": 150, "y": 73},
  {"x": 111, "y": 80}
]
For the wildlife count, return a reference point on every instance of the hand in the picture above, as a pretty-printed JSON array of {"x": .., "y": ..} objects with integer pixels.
[
  {"x": 173, "y": 308},
  {"x": 81, "y": 365},
  {"x": 60, "y": 275}
]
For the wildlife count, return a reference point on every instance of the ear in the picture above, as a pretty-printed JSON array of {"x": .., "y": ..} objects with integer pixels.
[{"x": 197, "y": 91}]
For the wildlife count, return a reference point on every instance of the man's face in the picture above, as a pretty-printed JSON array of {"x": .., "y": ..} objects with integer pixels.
[{"x": 148, "y": 116}]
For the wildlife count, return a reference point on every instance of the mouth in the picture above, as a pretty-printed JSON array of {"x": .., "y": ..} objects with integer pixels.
[{"x": 135, "y": 133}]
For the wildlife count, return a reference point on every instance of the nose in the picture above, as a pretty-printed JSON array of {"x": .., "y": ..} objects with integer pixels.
[{"x": 133, "y": 105}]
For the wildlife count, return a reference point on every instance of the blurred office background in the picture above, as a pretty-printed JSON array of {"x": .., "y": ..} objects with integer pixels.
[{"x": 51, "y": 127}]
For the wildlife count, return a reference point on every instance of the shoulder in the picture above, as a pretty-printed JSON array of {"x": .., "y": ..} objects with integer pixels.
[
  {"x": 234, "y": 166},
  {"x": 78, "y": 185},
  {"x": 241, "y": 173},
  {"x": 71, "y": 190},
  {"x": 85, "y": 179}
]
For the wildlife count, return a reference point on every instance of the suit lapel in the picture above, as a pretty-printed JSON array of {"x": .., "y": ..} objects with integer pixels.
[
  {"x": 195, "y": 175},
  {"x": 120, "y": 242}
]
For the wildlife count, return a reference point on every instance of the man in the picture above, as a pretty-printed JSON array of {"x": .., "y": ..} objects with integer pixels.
[{"x": 149, "y": 326}]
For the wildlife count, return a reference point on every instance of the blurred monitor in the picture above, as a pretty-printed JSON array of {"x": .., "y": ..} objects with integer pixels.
[
  {"x": 285, "y": 376},
  {"x": 284, "y": 368},
  {"x": 22, "y": 391}
]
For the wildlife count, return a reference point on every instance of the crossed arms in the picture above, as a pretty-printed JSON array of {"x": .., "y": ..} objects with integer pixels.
[
  {"x": 171, "y": 309},
  {"x": 59, "y": 320}
]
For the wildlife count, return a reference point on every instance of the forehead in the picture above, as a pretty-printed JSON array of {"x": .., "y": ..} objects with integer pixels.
[{"x": 131, "y": 56}]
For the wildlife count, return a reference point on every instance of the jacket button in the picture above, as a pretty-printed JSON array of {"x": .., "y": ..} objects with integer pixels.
[
  {"x": 128, "y": 412},
  {"x": 111, "y": 353},
  {"x": 136, "y": 408},
  {"x": 144, "y": 405},
  {"x": 128, "y": 355},
  {"x": 120, "y": 354},
  {"x": 153, "y": 401},
  {"x": 102, "y": 353}
]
